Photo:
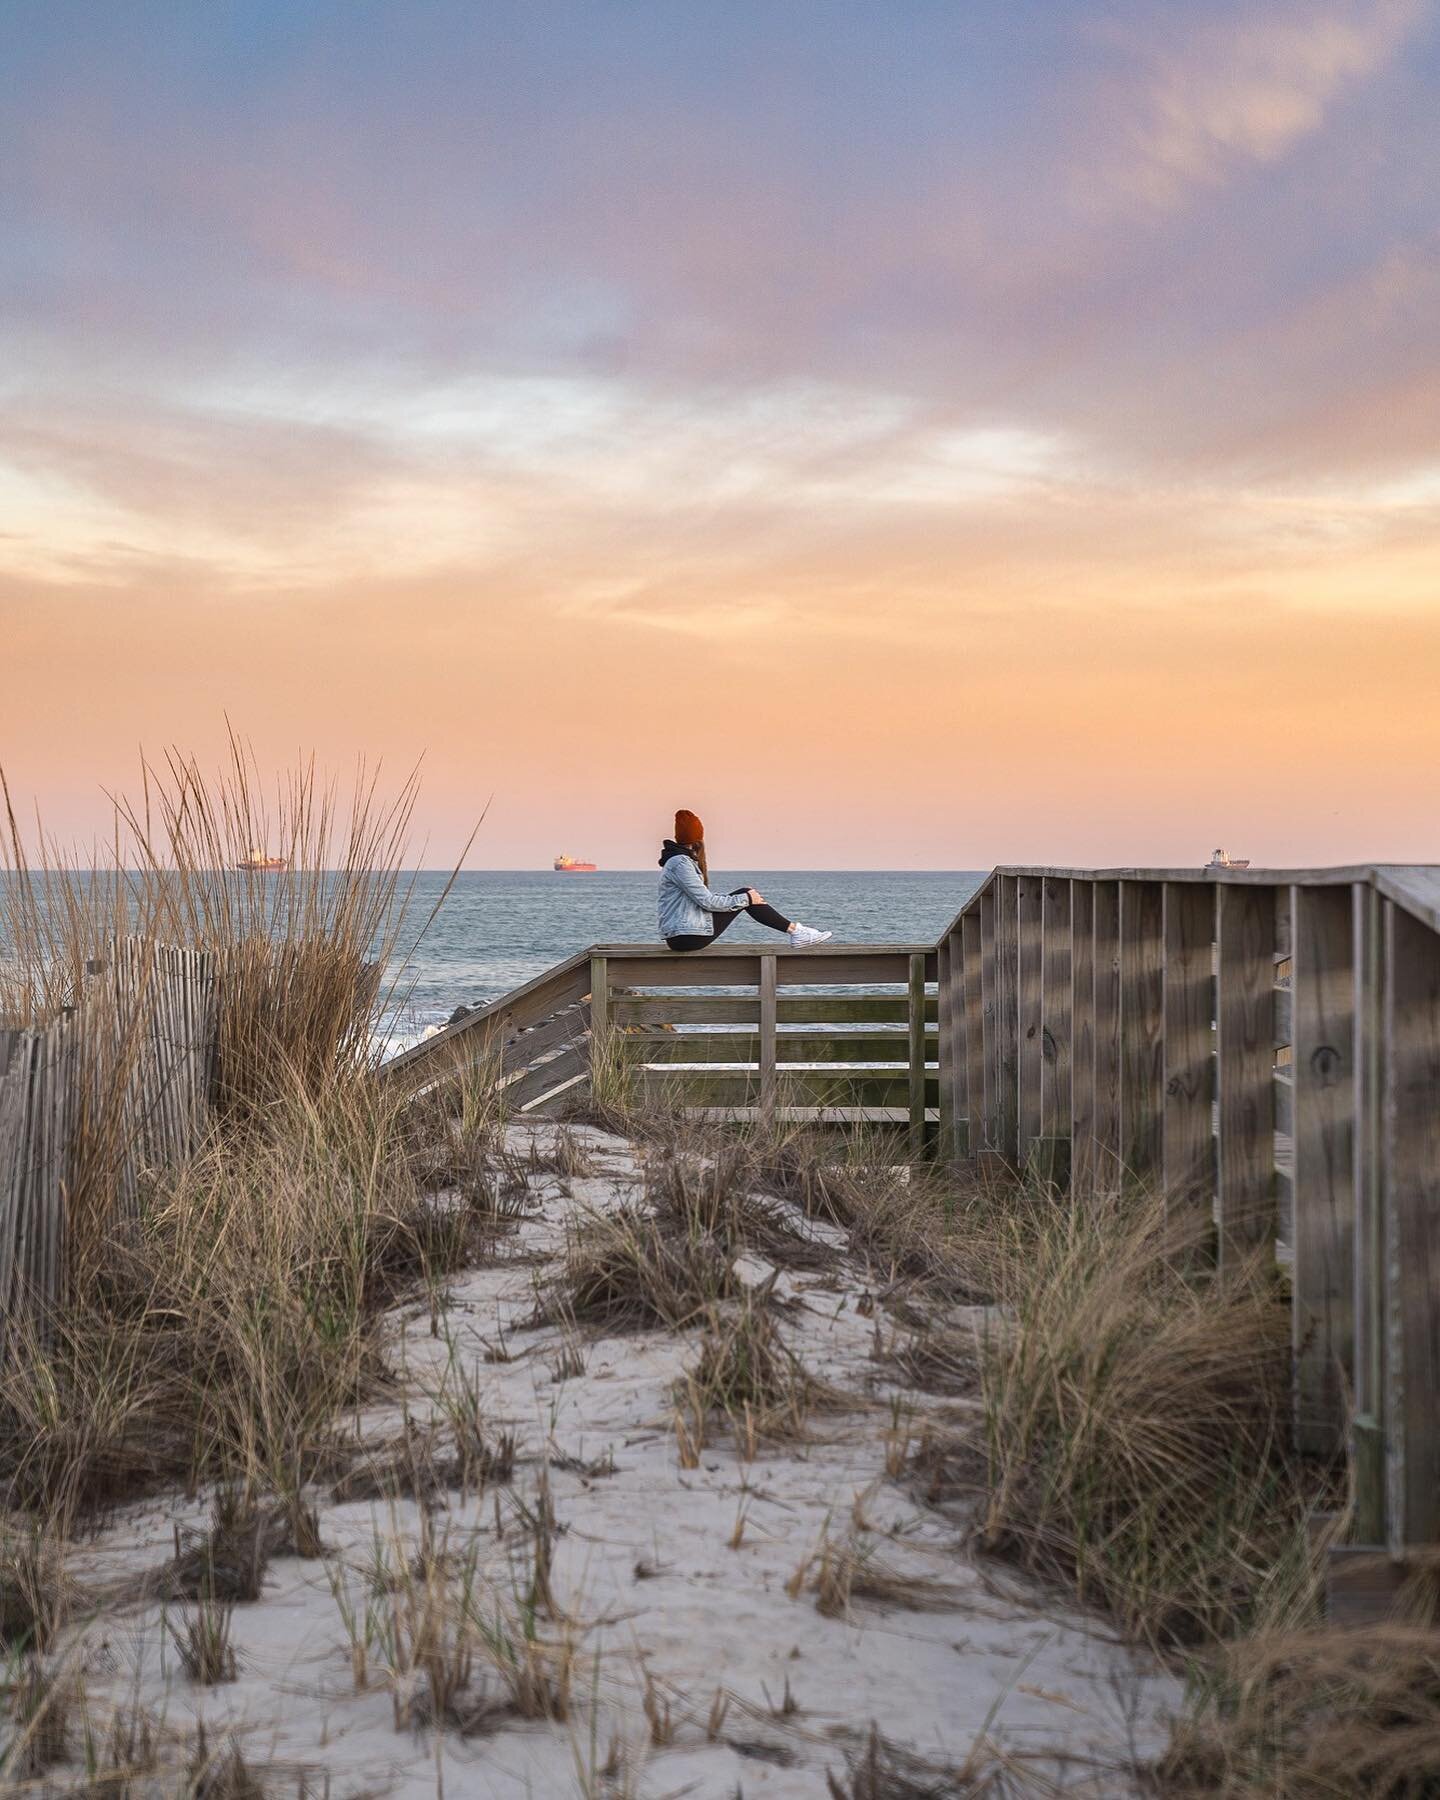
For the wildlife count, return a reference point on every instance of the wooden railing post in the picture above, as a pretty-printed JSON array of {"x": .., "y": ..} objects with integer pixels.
[
  {"x": 1324, "y": 1064},
  {"x": 1188, "y": 1152},
  {"x": 1410, "y": 1176},
  {"x": 970, "y": 953},
  {"x": 1055, "y": 1095},
  {"x": 599, "y": 1002},
  {"x": 1107, "y": 1032},
  {"x": 1245, "y": 1045},
  {"x": 1142, "y": 1018},
  {"x": 766, "y": 1048},
  {"x": 917, "y": 1055},
  {"x": 1030, "y": 917}
]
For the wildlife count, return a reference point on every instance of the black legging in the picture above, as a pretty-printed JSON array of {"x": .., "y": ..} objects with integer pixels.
[{"x": 761, "y": 911}]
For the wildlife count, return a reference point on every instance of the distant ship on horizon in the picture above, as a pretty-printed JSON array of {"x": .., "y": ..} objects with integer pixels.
[
  {"x": 257, "y": 862},
  {"x": 570, "y": 865},
  {"x": 1222, "y": 859}
]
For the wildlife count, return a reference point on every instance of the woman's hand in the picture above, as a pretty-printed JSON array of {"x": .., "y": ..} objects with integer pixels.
[{"x": 756, "y": 897}]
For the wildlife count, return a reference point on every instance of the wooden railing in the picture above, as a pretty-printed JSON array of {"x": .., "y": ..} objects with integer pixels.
[
  {"x": 1265, "y": 1046},
  {"x": 844, "y": 1033}
]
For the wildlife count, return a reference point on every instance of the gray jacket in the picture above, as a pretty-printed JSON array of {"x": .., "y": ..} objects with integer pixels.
[{"x": 686, "y": 903}]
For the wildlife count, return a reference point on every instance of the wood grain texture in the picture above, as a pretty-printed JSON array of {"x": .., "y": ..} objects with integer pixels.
[
  {"x": 989, "y": 1028},
  {"x": 1245, "y": 1038},
  {"x": 1324, "y": 1075},
  {"x": 1007, "y": 1028},
  {"x": 918, "y": 1082},
  {"x": 1082, "y": 1056},
  {"x": 1108, "y": 1165},
  {"x": 1368, "y": 1424},
  {"x": 1411, "y": 1200},
  {"x": 971, "y": 954},
  {"x": 1188, "y": 1132},
  {"x": 1030, "y": 927},
  {"x": 1142, "y": 1025},
  {"x": 767, "y": 1033},
  {"x": 1056, "y": 1019}
]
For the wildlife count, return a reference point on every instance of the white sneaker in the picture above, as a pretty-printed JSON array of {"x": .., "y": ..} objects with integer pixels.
[{"x": 802, "y": 936}]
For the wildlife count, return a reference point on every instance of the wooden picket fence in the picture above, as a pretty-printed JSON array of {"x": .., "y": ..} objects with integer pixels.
[{"x": 117, "y": 1087}]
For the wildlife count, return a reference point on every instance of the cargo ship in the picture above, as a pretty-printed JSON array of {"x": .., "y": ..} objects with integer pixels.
[
  {"x": 570, "y": 865},
  {"x": 1222, "y": 859},
  {"x": 256, "y": 862}
]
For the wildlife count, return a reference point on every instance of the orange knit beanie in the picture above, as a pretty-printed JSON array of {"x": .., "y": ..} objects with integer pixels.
[{"x": 688, "y": 829}]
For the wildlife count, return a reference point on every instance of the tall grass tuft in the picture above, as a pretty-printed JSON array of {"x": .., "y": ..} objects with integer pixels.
[{"x": 1137, "y": 1425}]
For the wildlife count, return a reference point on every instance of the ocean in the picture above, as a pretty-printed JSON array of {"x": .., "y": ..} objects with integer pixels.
[{"x": 499, "y": 928}]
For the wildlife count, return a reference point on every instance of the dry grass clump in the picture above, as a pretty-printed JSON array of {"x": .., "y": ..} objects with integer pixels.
[
  {"x": 746, "y": 1375},
  {"x": 223, "y": 1330},
  {"x": 853, "y": 1569},
  {"x": 457, "y": 1652},
  {"x": 625, "y": 1270},
  {"x": 1136, "y": 1423},
  {"x": 1314, "y": 1715},
  {"x": 883, "y": 1771},
  {"x": 709, "y": 1188},
  {"x": 937, "y": 1359},
  {"x": 228, "y": 1562},
  {"x": 34, "y": 1588}
]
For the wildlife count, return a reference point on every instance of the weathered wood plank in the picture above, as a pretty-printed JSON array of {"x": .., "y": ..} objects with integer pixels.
[
  {"x": 877, "y": 1049},
  {"x": 600, "y": 1001},
  {"x": 953, "y": 1064},
  {"x": 527, "y": 1005},
  {"x": 1142, "y": 1026},
  {"x": 1369, "y": 1424},
  {"x": 1055, "y": 1024},
  {"x": 738, "y": 965},
  {"x": 744, "y": 1009},
  {"x": 545, "y": 1078},
  {"x": 1188, "y": 1156},
  {"x": 1245, "y": 1039},
  {"x": 1082, "y": 1015},
  {"x": 1108, "y": 1165},
  {"x": 794, "y": 1087},
  {"x": 767, "y": 1033},
  {"x": 990, "y": 1026},
  {"x": 1007, "y": 1120},
  {"x": 1323, "y": 1230},
  {"x": 974, "y": 1002},
  {"x": 1029, "y": 901},
  {"x": 918, "y": 1081},
  {"x": 1411, "y": 1199}
]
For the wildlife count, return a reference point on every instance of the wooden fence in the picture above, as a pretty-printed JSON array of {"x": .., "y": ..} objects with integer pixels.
[
  {"x": 1263, "y": 1044},
  {"x": 118, "y": 1086}
]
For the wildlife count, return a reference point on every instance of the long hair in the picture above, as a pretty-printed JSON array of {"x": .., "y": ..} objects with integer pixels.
[{"x": 698, "y": 852}]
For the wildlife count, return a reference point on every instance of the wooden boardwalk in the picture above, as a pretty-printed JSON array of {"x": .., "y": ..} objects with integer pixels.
[{"x": 1262, "y": 1044}]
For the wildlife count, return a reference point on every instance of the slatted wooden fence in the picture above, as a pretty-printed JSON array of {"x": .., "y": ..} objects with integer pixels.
[
  {"x": 1265, "y": 1045},
  {"x": 118, "y": 1086}
]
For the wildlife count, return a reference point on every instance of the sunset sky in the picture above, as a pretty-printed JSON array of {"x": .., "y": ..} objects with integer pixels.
[{"x": 924, "y": 433}]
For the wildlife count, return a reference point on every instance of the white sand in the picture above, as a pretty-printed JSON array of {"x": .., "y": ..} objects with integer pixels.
[{"x": 1001, "y": 1657}]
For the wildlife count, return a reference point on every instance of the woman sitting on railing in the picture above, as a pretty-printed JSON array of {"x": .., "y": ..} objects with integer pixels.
[{"x": 692, "y": 915}]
